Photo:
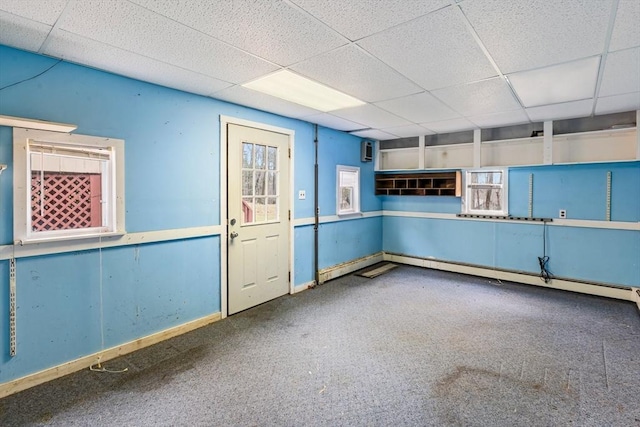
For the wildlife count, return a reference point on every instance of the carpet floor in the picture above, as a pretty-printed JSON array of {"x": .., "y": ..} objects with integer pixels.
[{"x": 410, "y": 347}]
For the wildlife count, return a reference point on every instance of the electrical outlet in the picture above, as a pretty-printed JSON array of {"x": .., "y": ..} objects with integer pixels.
[
  {"x": 302, "y": 195},
  {"x": 563, "y": 213}
]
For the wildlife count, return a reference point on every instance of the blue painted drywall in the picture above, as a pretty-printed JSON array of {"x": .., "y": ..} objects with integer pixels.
[
  {"x": 349, "y": 240},
  {"x": 332, "y": 152},
  {"x": 172, "y": 181},
  {"x": 579, "y": 189},
  {"x": 589, "y": 254}
]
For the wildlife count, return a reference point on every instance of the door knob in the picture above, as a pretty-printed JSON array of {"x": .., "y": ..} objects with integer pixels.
[{"x": 233, "y": 235}]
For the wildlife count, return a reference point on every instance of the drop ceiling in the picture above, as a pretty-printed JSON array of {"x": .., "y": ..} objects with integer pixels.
[{"x": 421, "y": 66}]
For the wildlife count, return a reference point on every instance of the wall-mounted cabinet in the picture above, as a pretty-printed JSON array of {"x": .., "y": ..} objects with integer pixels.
[
  {"x": 610, "y": 145},
  {"x": 419, "y": 184},
  {"x": 598, "y": 146},
  {"x": 399, "y": 159},
  {"x": 448, "y": 156},
  {"x": 512, "y": 152}
]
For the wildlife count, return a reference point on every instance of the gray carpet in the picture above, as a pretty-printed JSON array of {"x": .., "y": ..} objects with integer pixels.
[{"x": 411, "y": 347}]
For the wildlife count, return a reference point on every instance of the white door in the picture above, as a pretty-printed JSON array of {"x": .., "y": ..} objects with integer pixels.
[{"x": 258, "y": 213}]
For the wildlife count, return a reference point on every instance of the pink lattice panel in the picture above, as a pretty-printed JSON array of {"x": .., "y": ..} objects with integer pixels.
[{"x": 64, "y": 201}]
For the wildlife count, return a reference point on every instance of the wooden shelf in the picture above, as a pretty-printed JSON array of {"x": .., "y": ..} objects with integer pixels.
[{"x": 419, "y": 184}]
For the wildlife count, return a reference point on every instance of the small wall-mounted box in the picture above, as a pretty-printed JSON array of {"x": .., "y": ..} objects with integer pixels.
[{"x": 366, "y": 151}]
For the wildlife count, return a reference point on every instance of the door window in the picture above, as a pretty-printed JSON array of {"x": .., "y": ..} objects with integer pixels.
[{"x": 260, "y": 175}]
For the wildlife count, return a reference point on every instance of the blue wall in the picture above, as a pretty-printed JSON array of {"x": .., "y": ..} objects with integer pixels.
[
  {"x": 172, "y": 181},
  {"x": 590, "y": 254}
]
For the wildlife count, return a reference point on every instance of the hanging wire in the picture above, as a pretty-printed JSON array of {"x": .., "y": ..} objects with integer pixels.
[
  {"x": 545, "y": 274},
  {"x": 30, "y": 78}
]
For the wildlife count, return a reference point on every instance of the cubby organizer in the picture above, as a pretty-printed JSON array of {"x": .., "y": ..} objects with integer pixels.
[{"x": 419, "y": 184}]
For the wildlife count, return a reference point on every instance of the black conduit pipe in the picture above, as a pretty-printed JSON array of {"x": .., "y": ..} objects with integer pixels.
[{"x": 316, "y": 210}]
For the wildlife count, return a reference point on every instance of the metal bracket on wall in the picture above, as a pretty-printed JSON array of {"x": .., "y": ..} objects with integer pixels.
[
  {"x": 12, "y": 307},
  {"x": 609, "y": 196},
  {"x": 530, "y": 195}
]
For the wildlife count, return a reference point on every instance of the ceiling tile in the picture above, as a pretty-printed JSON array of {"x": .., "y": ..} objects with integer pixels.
[
  {"x": 360, "y": 18},
  {"x": 44, "y": 11},
  {"x": 524, "y": 34},
  {"x": 408, "y": 131},
  {"x": 565, "y": 110},
  {"x": 260, "y": 101},
  {"x": 500, "y": 119},
  {"x": 621, "y": 73},
  {"x": 371, "y": 116},
  {"x": 333, "y": 122},
  {"x": 626, "y": 30},
  {"x": 21, "y": 32},
  {"x": 419, "y": 108},
  {"x": 133, "y": 28},
  {"x": 618, "y": 103},
  {"x": 559, "y": 83},
  {"x": 374, "y": 134},
  {"x": 273, "y": 30},
  {"x": 484, "y": 97},
  {"x": 353, "y": 71},
  {"x": 74, "y": 48},
  {"x": 453, "y": 125},
  {"x": 434, "y": 51}
]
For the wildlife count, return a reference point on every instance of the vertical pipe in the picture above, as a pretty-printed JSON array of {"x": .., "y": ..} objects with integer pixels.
[{"x": 316, "y": 209}]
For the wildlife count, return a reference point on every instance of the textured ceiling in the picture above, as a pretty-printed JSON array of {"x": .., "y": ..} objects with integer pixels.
[{"x": 421, "y": 66}]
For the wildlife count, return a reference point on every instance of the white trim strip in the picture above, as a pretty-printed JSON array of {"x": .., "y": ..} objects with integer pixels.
[
  {"x": 626, "y": 294},
  {"x": 616, "y": 225},
  {"x": 47, "y": 248},
  {"x": 335, "y": 218},
  {"x": 49, "y": 374}
]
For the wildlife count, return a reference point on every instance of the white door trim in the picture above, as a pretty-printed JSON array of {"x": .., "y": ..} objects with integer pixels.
[{"x": 224, "y": 220}]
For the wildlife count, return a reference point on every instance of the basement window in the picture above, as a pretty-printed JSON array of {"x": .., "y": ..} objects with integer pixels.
[
  {"x": 348, "y": 191},
  {"x": 486, "y": 192},
  {"x": 67, "y": 186}
]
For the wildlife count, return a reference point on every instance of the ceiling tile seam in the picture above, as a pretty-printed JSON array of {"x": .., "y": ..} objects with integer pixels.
[
  {"x": 352, "y": 121},
  {"x": 467, "y": 84},
  {"x": 46, "y": 41},
  {"x": 136, "y": 54},
  {"x": 605, "y": 50},
  {"x": 485, "y": 51},
  {"x": 292, "y": 2},
  {"x": 25, "y": 18},
  {"x": 370, "y": 55},
  {"x": 232, "y": 46},
  {"x": 300, "y": 9},
  {"x": 375, "y": 104}
]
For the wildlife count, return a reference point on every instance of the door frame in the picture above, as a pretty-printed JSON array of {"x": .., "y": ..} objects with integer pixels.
[{"x": 224, "y": 219}]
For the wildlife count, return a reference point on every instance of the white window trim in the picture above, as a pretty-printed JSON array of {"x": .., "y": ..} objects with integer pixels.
[
  {"x": 466, "y": 201},
  {"x": 355, "y": 195},
  {"x": 22, "y": 185}
]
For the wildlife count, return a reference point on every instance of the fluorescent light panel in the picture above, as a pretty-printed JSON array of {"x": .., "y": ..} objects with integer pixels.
[
  {"x": 292, "y": 87},
  {"x": 559, "y": 83},
  {"x": 19, "y": 122}
]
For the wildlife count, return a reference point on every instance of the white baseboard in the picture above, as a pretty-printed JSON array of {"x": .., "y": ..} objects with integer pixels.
[
  {"x": 31, "y": 380},
  {"x": 303, "y": 287},
  {"x": 627, "y": 294},
  {"x": 349, "y": 267},
  {"x": 636, "y": 294}
]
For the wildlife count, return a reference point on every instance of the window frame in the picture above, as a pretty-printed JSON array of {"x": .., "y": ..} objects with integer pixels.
[
  {"x": 113, "y": 185},
  {"x": 503, "y": 186},
  {"x": 355, "y": 193}
]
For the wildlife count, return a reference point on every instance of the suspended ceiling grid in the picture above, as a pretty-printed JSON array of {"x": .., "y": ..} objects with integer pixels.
[{"x": 421, "y": 66}]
